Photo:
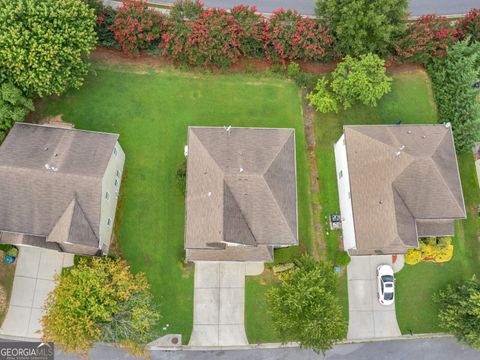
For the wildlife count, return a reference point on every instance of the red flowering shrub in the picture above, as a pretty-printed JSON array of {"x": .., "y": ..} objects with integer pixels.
[
  {"x": 292, "y": 37},
  {"x": 470, "y": 25},
  {"x": 426, "y": 38},
  {"x": 137, "y": 26},
  {"x": 252, "y": 30},
  {"x": 211, "y": 39}
]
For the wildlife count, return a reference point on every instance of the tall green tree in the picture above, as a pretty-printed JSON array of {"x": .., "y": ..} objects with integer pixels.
[
  {"x": 305, "y": 307},
  {"x": 44, "y": 44},
  {"x": 13, "y": 107},
  {"x": 457, "y": 101},
  {"x": 99, "y": 300},
  {"x": 460, "y": 311},
  {"x": 363, "y": 26}
]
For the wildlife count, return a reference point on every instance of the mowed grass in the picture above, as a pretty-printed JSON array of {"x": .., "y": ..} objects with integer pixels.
[
  {"x": 151, "y": 111},
  {"x": 410, "y": 102}
]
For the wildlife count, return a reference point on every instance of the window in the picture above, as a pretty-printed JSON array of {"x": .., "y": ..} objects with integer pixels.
[
  {"x": 340, "y": 174},
  {"x": 115, "y": 151},
  {"x": 107, "y": 195},
  {"x": 116, "y": 182},
  {"x": 109, "y": 222},
  {"x": 118, "y": 173}
]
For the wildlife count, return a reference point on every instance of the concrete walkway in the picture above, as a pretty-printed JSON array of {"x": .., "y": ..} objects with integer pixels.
[
  {"x": 33, "y": 281},
  {"x": 367, "y": 318},
  {"x": 219, "y": 303}
]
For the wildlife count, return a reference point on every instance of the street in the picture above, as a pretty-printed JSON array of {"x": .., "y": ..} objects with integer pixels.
[
  {"x": 425, "y": 349},
  {"x": 307, "y": 7}
]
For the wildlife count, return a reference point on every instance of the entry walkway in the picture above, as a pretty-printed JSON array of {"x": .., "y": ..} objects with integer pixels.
[
  {"x": 34, "y": 274},
  {"x": 219, "y": 303},
  {"x": 367, "y": 318}
]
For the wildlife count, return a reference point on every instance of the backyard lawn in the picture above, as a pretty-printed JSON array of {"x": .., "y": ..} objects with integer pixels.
[{"x": 151, "y": 111}]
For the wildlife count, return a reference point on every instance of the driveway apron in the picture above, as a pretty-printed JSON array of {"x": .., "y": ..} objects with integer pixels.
[
  {"x": 367, "y": 318},
  {"x": 219, "y": 302},
  {"x": 34, "y": 279}
]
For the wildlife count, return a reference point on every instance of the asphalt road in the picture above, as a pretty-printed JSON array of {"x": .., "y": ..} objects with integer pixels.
[
  {"x": 306, "y": 7},
  {"x": 425, "y": 349}
]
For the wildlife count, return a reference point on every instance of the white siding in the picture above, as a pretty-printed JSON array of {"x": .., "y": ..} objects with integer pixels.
[
  {"x": 343, "y": 181},
  {"x": 109, "y": 206}
]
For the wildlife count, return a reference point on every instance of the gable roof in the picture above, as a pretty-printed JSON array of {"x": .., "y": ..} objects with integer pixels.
[
  {"x": 241, "y": 190},
  {"x": 400, "y": 175},
  {"x": 52, "y": 181}
]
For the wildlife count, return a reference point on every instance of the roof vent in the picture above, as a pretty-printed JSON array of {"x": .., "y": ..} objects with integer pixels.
[
  {"x": 241, "y": 170},
  {"x": 402, "y": 147},
  {"x": 409, "y": 131},
  {"x": 51, "y": 168},
  {"x": 447, "y": 125},
  {"x": 227, "y": 129},
  {"x": 397, "y": 153}
]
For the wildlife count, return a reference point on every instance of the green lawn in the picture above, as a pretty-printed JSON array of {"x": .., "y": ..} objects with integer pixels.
[
  {"x": 410, "y": 101},
  {"x": 151, "y": 111}
]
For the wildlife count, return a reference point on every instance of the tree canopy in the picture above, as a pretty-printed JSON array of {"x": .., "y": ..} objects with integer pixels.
[
  {"x": 363, "y": 26},
  {"x": 305, "y": 308},
  {"x": 13, "y": 107},
  {"x": 460, "y": 311},
  {"x": 44, "y": 44},
  {"x": 99, "y": 300}
]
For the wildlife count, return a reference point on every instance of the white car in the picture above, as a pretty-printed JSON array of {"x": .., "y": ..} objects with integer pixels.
[{"x": 386, "y": 284}]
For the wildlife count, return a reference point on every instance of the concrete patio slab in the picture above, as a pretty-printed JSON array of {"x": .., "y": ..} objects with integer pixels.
[
  {"x": 369, "y": 319},
  {"x": 219, "y": 303},
  {"x": 254, "y": 268},
  {"x": 34, "y": 279}
]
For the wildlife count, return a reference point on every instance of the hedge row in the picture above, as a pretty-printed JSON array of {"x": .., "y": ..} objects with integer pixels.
[{"x": 196, "y": 36}]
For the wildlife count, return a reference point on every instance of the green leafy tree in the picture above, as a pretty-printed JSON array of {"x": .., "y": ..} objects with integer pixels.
[
  {"x": 321, "y": 98},
  {"x": 13, "y": 107},
  {"x": 361, "y": 79},
  {"x": 99, "y": 300},
  {"x": 452, "y": 77},
  {"x": 460, "y": 311},
  {"x": 44, "y": 44},
  {"x": 305, "y": 307},
  {"x": 363, "y": 26}
]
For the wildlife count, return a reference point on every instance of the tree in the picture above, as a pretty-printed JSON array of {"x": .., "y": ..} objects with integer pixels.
[
  {"x": 322, "y": 99},
  {"x": 99, "y": 300},
  {"x": 305, "y": 307},
  {"x": 13, "y": 107},
  {"x": 44, "y": 44},
  {"x": 363, "y": 26},
  {"x": 361, "y": 79},
  {"x": 452, "y": 77},
  {"x": 460, "y": 311}
]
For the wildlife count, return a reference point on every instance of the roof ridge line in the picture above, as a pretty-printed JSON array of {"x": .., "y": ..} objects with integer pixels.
[
  {"x": 44, "y": 172},
  {"x": 409, "y": 211}
]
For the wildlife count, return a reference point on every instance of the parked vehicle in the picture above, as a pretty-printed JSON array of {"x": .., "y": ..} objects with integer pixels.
[{"x": 386, "y": 285}]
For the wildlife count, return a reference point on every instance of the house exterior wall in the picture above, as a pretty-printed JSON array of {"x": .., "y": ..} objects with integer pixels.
[
  {"x": 110, "y": 185},
  {"x": 343, "y": 181}
]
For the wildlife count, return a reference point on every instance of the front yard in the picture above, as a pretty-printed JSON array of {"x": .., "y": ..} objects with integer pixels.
[{"x": 151, "y": 111}]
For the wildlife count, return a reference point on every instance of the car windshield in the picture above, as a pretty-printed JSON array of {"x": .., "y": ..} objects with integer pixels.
[
  {"x": 388, "y": 296},
  {"x": 387, "y": 278}
]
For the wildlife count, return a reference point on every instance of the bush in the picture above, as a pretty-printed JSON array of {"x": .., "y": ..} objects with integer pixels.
[
  {"x": 293, "y": 70},
  {"x": 290, "y": 36},
  {"x": 469, "y": 26},
  {"x": 364, "y": 26},
  {"x": 99, "y": 300},
  {"x": 211, "y": 39},
  {"x": 321, "y": 98},
  {"x": 426, "y": 38},
  {"x": 342, "y": 258},
  {"x": 460, "y": 311},
  {"x": 13, "y": 107},
  {"x": 182, "y": 177},
  {"x": 305, "y": 308},
  {"x": 361, "y": 79},
  {"x": 432, "y": 249},
  {"x": 44, "y": 44},
  {"x": 413, "y": 256},
  {"x": 186, "y": 10},
  {"x": 452, "y": 79},
  {"x": 251, "y": 26},
  {"x": 105, "y": 20},
  {"x": 137, "y": 27}
]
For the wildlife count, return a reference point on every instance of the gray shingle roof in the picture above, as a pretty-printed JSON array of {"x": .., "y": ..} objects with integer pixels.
[
  {"x": 400, "y": 175},
  {"x": 241, "y": 190},
  {"x": 51, "y": 181}
]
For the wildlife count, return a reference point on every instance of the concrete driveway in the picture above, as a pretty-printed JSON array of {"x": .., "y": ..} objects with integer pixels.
[
  {"x": 33, "y": 281},
  {"x": 367, "y": 318},
  {"x": 219, "y": 303}
]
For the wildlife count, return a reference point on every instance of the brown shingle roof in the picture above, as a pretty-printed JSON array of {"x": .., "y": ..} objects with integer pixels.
[
  {"x": 51, "y": 181},
  {"x": 241, "y": 190},
  {"x": 398, "y": 176}
]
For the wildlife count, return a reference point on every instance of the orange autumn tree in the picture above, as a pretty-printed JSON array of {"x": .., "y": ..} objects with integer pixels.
[{"x": 99, "y": 300}]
